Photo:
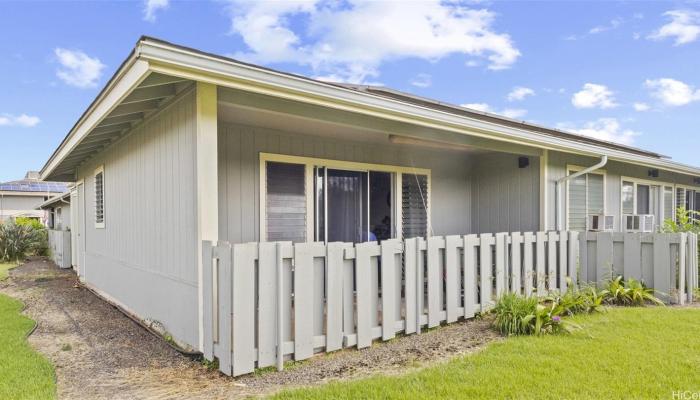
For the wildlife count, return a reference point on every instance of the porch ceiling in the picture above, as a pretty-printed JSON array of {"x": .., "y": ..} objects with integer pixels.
[
  {"x": 153, "y": 93},
  {"x": 267, "y": 112}
]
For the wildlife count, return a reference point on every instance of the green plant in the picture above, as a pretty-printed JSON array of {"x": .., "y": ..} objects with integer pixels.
[
  {"x": 18, "y": 241},
  {"x": 510, "y": 311},
  {"x": 686, "y": 221},
  {"x": 518, "y": 315},
  {"x": 629, "y": 293}
]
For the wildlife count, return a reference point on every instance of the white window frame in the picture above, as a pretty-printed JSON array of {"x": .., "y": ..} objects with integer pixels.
[
  {"x": 311, "y": 162},
  {"x": 646, "y": 182},
  {"x": 100, "y": 169},
  {"x": 577, "y": 168},
  {"x": 686, "y": 188}
]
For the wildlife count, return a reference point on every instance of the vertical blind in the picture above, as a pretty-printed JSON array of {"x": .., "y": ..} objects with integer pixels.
[{"x": 414, "y": 205}]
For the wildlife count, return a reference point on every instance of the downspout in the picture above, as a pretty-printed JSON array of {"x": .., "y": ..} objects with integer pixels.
[{"x": 559, "y": 182}]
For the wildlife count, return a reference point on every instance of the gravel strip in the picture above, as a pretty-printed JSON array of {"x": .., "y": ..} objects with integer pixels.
[{"x": 99, "y": 353}]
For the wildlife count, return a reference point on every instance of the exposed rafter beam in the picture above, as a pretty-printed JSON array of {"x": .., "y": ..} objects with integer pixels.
[
  {"x": 110, "y": 129},
  {"x": 150, "y": 93},
  {"x": 156, "y": 79},
  {"x": 121, "y": 119},
  {"x": 125, "y": 109}
]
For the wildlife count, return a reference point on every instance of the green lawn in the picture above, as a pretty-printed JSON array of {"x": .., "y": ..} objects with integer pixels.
[
  {"x": 624, "y": 353},
  {"x": 24, "y": 374}
]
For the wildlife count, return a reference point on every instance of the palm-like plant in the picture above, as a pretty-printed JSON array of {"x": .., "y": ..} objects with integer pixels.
[{"x": 18, "y": 241}]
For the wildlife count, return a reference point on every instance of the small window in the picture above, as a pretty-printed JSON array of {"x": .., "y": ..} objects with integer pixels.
[{"x": 100, "y": 198}]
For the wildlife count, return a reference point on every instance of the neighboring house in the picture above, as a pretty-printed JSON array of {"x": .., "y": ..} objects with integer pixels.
[
  {"x": 57, "y": 210},
  {"x": 183, "y": 146},
  {"x": 22, "y": 198},
  {"x": 58, "y": 222}
]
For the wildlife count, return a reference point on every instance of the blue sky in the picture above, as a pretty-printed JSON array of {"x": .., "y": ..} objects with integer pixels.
[{"x": 622, "y": 71}]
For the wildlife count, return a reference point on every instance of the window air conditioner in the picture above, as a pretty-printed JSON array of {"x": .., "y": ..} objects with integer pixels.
[
  {"x": 601, "y": 223},
  {"x": 638, "y": 223}
]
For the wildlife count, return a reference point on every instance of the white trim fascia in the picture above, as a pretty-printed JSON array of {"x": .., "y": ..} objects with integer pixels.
[
  {"x": 188, "y": 64},
  {"x": 131, "y": 75}
]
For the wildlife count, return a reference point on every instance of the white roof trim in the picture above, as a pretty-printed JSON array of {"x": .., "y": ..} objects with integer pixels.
[{"x": 156, "y": 56}]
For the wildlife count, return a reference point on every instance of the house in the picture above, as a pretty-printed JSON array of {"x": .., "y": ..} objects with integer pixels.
[
  {"x": 183, "y": 146},
  {"x": 21, "y": 198},
  {"x": 58, "y": 222}
]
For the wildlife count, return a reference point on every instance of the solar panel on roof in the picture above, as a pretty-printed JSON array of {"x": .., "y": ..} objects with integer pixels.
[{"x": 33, "y": 186}]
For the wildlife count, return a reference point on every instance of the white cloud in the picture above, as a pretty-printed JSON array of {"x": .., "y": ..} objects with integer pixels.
[
  {"x": 507, "y": 112},
  {"x": 422, "y": 80},
  {"x": 641, "y": 107},
  {"x": 672, "y": 92},
  {"x": 22, "y": 120},
  {"x": 151, "y": 6},
  {"x": 684, "y": 27},
  {"x": 614, "y": 24},
  {"x": 519, "y": 93},
  {"x": 350, "y": 40},
  {"x": 77, "y": 68},
  {"x": 608, "y": 129},
  {"x": 594, "y": 96}
]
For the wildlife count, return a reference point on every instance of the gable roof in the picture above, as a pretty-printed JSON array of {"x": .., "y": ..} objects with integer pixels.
[{"x": 157, "y": 60}]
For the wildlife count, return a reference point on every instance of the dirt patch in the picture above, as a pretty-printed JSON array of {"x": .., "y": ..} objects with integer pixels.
[{"x": 99, "y": 353}]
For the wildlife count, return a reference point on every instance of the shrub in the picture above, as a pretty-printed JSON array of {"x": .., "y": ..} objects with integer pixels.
[
  {"x": 510, "y": 311},
  {"x": 518, "y": 315},
  {"x": 18, "y": 241},
  {"x": 629, "y": 293}
]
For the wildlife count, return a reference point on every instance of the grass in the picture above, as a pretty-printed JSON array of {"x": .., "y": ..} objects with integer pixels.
[
  {"x": 624, "y": 353},
  {"x": 24, "y": 374}
]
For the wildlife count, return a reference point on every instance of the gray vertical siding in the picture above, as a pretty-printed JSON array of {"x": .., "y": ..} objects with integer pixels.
[
  {"x": 505, "y": 198},
  {"x": 556, "y": 169},
  {"x": 145, "y": 257},
  {"x": 239, "y": 175}
]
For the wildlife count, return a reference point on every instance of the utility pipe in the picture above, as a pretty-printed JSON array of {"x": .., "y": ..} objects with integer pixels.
[{"x": 559, "y": 182}]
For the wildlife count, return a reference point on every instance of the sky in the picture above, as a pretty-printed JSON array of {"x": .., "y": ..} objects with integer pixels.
[{"x": 620, "y": 71}]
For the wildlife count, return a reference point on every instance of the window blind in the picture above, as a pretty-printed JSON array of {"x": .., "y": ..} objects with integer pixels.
[
  {"x": 285, "y": 202},
  {"x": 99, "y": 198},
  {"x": 414, "y": 204},
  {"x": 577, "y": 203},
  {"x": 627, "y": 198}
]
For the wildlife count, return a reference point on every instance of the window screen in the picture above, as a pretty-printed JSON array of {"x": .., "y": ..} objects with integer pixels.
[
  {"x": 99, "y": 198},
  {"x": 596, "y": 191},
  {"x": 627, "y": 198},
  {"x": 668, "y": 203},
  {"x": 414, "y": 205},
  {"x": 285, "y": 202},
  {"x": 643, "y": 199},
  {"x": 586, "y": 197}
]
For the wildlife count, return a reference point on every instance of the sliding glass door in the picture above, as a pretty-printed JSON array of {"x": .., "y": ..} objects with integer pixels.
[{"x": 352, "y": 206}]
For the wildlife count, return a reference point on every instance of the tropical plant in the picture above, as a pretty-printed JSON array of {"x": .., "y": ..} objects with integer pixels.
[
  {"x": 629, "y": 293},
  {"x": 518, "y": 315},
  {"x": 686, "y": 221},
  {"x": 18, "y": 241},
  {"x": 510, "y": 311}
]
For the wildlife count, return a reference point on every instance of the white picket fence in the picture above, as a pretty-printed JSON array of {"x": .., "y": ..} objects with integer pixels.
[
  {"x": 667, "y": 262},
  {"x": 307, "y": 298}
]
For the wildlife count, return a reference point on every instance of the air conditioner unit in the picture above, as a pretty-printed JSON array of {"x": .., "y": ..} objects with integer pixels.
[
  {"x": 638, "y": 223},
  {"x": 646, "y": 223},
  {"x": 601, "y": 223}
]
